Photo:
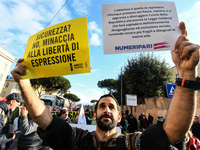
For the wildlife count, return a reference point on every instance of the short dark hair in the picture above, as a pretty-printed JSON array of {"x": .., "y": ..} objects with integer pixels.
[
  {"x": 87, "y": 110},
  {"x": 108, "y": 95},
  {"x": 131, "y": 115},
  {"x": 64, "y": 111}
]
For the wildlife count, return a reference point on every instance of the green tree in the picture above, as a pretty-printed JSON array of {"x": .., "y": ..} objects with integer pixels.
[
  {"x": 38, "y": 85},
  {"x": 51, "y": 84},
  {"x": 93, "y": 101},
  {"x": 71, "y": 98},
  {"x": 144, "y": 77},
  {"x": 109, "y": 84}
]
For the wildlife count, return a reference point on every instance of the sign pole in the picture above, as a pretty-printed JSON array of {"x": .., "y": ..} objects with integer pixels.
[
  {"x": 131, "y": 109},
  {"x": 121, "y": 92}
]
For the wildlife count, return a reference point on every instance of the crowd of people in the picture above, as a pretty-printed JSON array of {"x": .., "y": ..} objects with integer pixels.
[
  {"x": 16, "y": 123},
  {"x": 28, "y": 137},
  {"x": 128, "y": 123}
]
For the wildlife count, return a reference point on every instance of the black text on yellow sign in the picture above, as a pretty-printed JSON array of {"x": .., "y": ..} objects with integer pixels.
[
  {"x": 58, "y": 50},
  {"x": 72, "y": 114}
]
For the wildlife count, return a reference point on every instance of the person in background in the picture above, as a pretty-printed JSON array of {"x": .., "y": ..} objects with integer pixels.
[
  {"x": 15, "y": 113},
  {"x": 150, "y": 119},
  {"x": 65, "y": 116},
  {"x": 132, "y": 124},
  {"x": 127, "y": 111},
  {"x": 6, "y": 133},
  {"x": 93, "y": 122},
  {"x": 140, "y": 120},
  {"x": 126, "y": 119},
  {"x": 28, "y": 138},
  {"x": 87, "y": 116},
  {"x": 91, "y": 114},
  {"x": 123, "y": 124},
  {"x": 77, "y": 115},
  {"x": 49, "y": 107},
  {"x": 55, "y": 109},
  {"x": 160, "y": 118},
  {"x": 144, "y": 123}
]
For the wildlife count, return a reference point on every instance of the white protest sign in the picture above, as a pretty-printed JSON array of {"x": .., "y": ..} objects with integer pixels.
[
  {"x": 131, "y": 100},
  {"x": 139, "y": 27}
]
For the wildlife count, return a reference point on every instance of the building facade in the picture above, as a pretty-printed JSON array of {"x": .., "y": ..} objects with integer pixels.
[
  {"x": 10, "y": 86},
  {"x": 6, "y": 59}
]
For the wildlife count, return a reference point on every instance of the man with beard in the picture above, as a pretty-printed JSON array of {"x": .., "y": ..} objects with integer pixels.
[{"x": 164, "y": 135}]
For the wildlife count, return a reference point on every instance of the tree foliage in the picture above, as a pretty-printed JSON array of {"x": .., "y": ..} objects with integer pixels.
[
  {"x": 143, "y": 76},
  {"x": 71, "y": 97},
  {"x": 93, "y": 101},
  {"x": 109, "y": 84},
  {"x": 51, "y": 84}
]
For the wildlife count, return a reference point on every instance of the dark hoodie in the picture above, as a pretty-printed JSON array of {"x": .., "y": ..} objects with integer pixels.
[{"x": 5, "y": 135}]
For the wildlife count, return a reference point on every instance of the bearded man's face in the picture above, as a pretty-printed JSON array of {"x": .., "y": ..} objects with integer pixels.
[{"x": 107, "y": 115}]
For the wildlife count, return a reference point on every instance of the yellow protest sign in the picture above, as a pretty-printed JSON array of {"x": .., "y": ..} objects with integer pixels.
[
  {"x": 72, "y": 115},
  {"x": 58, "y": 50}
]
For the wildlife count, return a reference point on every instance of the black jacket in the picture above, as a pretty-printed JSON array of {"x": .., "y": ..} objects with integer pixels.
[{"x": 5, "y": 127}]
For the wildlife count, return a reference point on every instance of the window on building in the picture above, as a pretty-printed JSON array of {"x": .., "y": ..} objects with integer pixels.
[
  {"x": 3, "y": 94},
  {"x": 1, "y": 77},
  {"x": 17, "y": 87},
  {"x": 6, "y": 85},
  {"x": 5, "y": 66}
]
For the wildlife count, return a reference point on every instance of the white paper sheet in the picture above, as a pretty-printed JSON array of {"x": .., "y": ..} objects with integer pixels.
[{"x": 139, "y": 27}]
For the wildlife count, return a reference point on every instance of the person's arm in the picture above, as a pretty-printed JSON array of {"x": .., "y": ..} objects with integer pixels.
[
  {"x": 37, "y": 110},
  {"x": 26, "y": 126},
  {"x": 181, "y": 111}
]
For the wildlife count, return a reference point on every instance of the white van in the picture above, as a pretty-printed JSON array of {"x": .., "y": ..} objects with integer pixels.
[{"x": 53, "y": 100}]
